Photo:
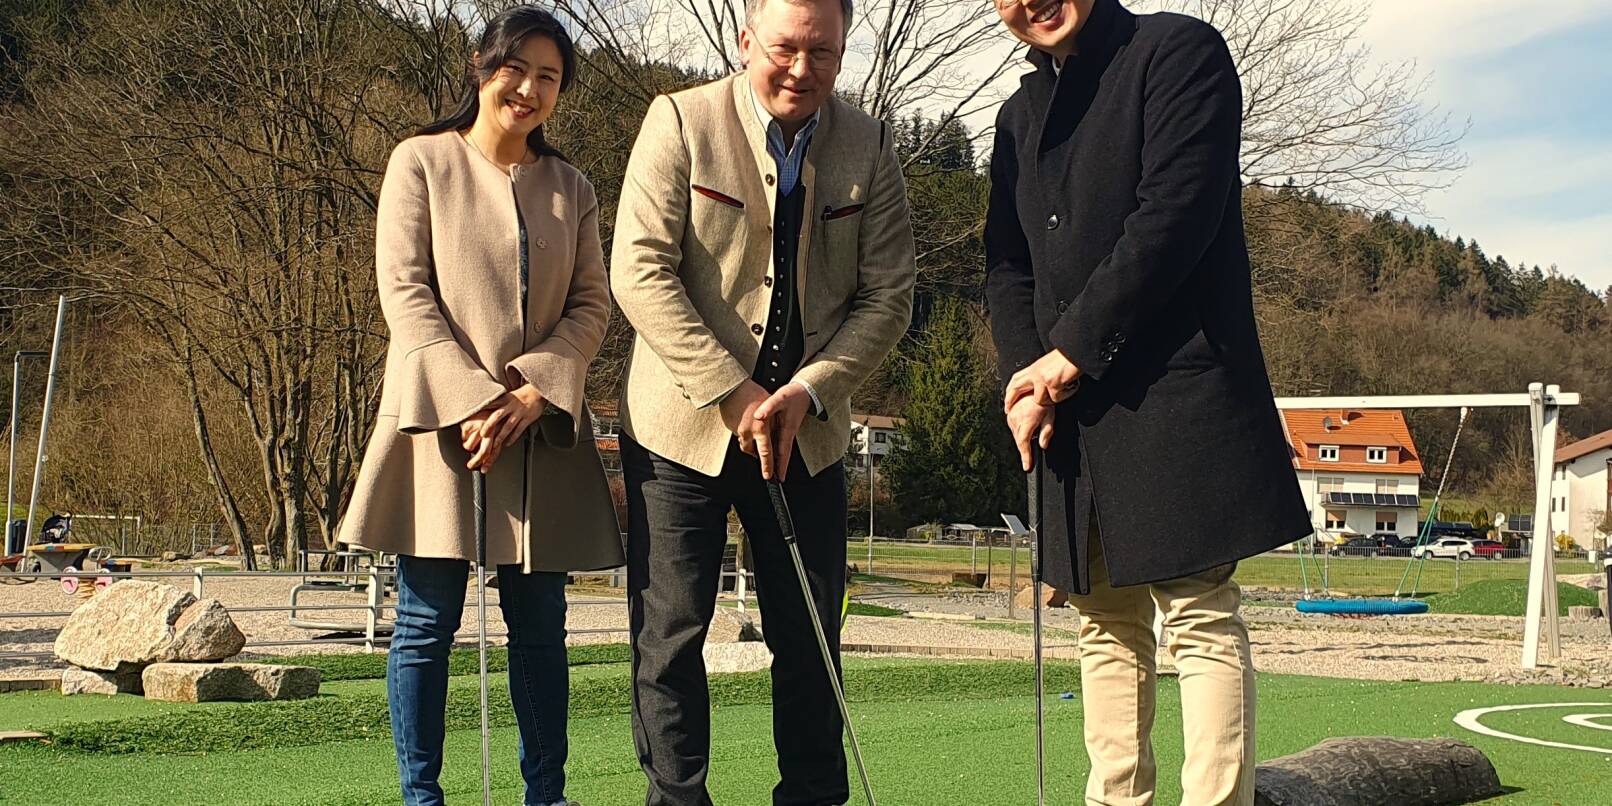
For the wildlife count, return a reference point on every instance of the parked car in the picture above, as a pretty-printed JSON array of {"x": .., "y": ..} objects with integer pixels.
[
  {"x": 1359, "y": 547},
  {"x": 1458, "y": 548},
  {"x": 1490, "y": 549},
  {"x": 1393, "y": 545}
]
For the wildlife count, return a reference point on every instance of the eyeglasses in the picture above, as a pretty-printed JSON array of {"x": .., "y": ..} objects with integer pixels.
[{"x": 816, "y": 58}]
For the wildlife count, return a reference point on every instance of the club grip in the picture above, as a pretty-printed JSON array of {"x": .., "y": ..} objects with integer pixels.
[
  {"x": 780, "y": 509},
  {"x": 479, "y": 496},
  {"x": 1038, "y": 459}
]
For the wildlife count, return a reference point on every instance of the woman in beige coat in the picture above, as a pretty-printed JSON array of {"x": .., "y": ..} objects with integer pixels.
[{"x": 492, "y": 280}]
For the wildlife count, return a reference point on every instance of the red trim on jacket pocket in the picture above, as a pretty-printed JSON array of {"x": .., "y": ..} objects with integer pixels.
[
  {"x": 829, "y": 213},
  {"x": 718, "y": 195}
]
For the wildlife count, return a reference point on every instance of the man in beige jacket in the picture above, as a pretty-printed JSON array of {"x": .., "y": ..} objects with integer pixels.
[{"x": 764, "y": 255}]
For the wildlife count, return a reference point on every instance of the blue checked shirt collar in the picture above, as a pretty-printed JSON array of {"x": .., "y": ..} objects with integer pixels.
[{"x": 788, "y": 162}]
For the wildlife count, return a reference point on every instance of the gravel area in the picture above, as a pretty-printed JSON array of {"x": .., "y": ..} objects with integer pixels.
[{"x": 1429, "y": 647}]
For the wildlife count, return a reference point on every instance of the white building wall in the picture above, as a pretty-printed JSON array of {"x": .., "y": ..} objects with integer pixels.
[
  {"x": 1578, "y": 494},
  {"x": 1362, "y": 520}
]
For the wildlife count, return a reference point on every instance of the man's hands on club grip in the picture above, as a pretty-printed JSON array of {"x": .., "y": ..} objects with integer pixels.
[
  {"x": 766, "y": 425},
  {"x": 1031, "y": 398}
]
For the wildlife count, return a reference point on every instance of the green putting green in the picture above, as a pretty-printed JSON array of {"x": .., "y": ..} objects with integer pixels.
[{"x": 932, "y": 732}]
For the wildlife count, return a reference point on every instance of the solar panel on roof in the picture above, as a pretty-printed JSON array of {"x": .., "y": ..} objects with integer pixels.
[
  {"x": 1365, "y": 499},
  {"x": 1408, "y": 501}
]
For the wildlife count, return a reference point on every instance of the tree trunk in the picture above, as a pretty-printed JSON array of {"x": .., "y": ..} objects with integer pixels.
[
  {"x": 1370, "y": 771},
  {"x": 215, "y": 474}
]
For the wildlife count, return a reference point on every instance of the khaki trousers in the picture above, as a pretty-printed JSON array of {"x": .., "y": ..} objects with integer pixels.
[{"x": 1209, "y": 641}]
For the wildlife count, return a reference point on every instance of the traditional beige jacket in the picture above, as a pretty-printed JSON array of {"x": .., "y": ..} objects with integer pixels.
[
  {"x": 447, "y": 259},
  {"x": 692, "y": 267}
]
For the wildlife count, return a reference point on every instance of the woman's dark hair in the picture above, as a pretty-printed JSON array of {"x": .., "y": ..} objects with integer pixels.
[{"x": 504, "y": 36}]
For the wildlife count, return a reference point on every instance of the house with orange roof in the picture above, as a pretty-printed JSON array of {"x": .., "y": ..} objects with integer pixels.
[
  {"x": 1359, "y": 470},
  {"x": 1581, "y": 488}
]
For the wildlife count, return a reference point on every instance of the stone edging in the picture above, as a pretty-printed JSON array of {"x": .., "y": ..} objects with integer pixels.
[{"x": 31, "y": 684}]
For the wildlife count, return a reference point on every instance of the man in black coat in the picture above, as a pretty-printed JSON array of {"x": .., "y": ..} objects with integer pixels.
[{"x": 1118, "y": 281}]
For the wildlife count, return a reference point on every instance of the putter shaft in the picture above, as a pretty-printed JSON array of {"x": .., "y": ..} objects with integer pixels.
[
  {"x": 1035, "y": 587},
  {"x": 481, "y": 629},
  {"x": 786, "y": 525}
]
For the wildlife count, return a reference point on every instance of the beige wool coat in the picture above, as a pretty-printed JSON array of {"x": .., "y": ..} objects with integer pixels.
[
  {"x": 692, "y": 267},
  {"x": 447, "y": 260}
]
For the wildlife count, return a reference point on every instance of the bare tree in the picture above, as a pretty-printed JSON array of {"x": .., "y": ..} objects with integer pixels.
[
  {"x": 232, "y": 152},
  {"x": 1320, "y": 114},
  {"x": 942, "y": 58}
]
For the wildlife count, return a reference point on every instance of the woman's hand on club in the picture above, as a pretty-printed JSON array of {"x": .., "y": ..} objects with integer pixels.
[{"x": 486, "y": 433}]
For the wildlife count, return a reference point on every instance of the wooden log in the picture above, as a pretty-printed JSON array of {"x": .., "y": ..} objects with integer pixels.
[{"x": 1376, "y": 770}]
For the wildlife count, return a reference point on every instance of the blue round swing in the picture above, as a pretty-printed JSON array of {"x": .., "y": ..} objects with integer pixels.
[{"x": 1362, "y": 607}]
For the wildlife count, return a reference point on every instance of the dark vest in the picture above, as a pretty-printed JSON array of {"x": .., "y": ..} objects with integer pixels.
[{"x": 782, "y": 345}]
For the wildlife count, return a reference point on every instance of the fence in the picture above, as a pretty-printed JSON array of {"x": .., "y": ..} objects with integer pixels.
[
  {"x": 131, "y": 537},
  {"x": 997, "y": 565}
]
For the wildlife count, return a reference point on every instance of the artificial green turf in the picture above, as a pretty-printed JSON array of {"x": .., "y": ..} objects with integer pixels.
[
  {"x": 865, "y": 609},
  {"x": 929, "y": 749},
  {"x": 355, "y": 666},
  {"x": 1505, "y": 597},
  {"x": 361, "y": 710}
]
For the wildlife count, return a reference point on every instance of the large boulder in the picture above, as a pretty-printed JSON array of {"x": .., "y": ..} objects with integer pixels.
[
  {"x": 729, "y": 626},
  {"x": 235, "y": 682},
  {"x": 742, "y": 656},
  {"x": 134, "y": 623},
  {"x": 205, "y": 632},
  {"x": 1051, "y": 597},
  {"x": 89, "y": 681}
]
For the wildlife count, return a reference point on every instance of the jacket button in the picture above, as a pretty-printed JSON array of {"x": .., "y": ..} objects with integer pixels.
[
  {"x": 766, "y": 281},
  {"x": 1052, "y": 221},
  {"x": 770, "y": 180},
  {"x": 1062, "y": 306},
  {"x": 756, "y": 329},
  {"x": 542, "y": 244}
]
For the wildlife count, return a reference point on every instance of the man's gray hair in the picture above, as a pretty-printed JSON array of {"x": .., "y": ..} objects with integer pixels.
[{"x": 753, "y": 7}]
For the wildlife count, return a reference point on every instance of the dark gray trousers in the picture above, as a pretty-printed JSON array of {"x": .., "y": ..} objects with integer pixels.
[{"x": 676, "y": 530}]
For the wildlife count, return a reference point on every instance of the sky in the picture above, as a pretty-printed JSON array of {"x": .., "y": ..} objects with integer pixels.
[{"x": 1535, "y": 82}]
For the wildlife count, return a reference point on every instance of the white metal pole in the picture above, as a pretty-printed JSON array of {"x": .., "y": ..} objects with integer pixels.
[
  {"x": 44, "y": 422},
  {"x": 11, "y": 467},
  {"x": 1553, "y": 627},
  {"x": 1542, "y": 418},
  {"x": 872, "y": 505}
]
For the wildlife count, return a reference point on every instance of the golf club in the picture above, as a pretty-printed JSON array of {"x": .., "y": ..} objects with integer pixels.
[
  {"x": 1035, "y": 588},
  {"x": 786, "y": 525},
  {"x": 481, "y": 628}
]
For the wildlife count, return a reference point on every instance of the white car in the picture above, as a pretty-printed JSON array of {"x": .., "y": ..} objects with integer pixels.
[{"x": 1448, "y": 548}]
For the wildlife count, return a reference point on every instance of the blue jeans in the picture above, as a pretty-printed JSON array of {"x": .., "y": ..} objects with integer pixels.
[{"x": 430, "y": 603}]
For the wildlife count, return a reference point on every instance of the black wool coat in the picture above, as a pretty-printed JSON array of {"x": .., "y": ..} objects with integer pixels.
[{"x": 1115, "y": 235}]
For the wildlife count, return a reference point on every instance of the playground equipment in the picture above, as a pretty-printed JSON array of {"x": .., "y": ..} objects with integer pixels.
[{"x": 1544, "y": 404}]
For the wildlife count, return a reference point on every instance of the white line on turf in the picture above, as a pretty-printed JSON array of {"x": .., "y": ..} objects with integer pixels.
[{"x": 1470, "y": 719}]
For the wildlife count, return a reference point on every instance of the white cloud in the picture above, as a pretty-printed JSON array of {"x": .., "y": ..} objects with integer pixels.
[
  {"x": 1528, "y": 193},
  {"x": 1441, "y": 31}
]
